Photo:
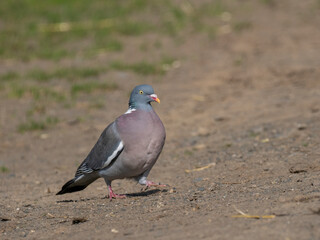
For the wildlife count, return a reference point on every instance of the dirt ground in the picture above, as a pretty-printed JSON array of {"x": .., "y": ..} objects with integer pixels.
[{"x": 246, "y": 105}]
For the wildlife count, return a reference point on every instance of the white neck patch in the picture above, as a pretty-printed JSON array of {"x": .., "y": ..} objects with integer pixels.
[{"x": 130, "y": 110}]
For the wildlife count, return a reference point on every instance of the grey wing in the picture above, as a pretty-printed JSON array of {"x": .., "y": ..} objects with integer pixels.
[{"x": 107, "y": 149}]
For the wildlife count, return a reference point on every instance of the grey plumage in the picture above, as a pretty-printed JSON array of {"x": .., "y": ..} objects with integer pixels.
[{"x": 127, "y": 148}]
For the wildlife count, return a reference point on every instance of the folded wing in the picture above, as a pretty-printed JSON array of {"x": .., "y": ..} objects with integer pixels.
[{"x": 104, "y": 152}]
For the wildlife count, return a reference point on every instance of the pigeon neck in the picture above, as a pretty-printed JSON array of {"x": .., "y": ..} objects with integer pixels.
[{"x": 140, "y": 106}]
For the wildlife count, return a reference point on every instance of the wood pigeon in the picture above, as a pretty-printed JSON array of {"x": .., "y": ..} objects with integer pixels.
[{"x": 127, "y": 148}]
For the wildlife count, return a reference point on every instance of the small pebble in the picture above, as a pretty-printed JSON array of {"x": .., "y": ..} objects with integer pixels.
[
  {"x": 301, "y": 126},
  {"x": 113, "y": 230}
]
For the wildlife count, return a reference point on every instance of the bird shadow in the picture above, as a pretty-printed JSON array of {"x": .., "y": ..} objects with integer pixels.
[
  {"x": 128, "y": 195},
  {"x": 145, "y": 193},
  {"x": 76, "y": 200}
]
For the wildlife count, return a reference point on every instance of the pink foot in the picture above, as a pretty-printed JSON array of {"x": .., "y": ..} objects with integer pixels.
[
  {"x": 113, "y": 195},
  {"x": 150, "y": 183}
]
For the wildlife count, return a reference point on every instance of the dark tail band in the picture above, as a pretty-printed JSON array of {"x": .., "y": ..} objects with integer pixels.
[
  {"x": 78, "y": 183},
  {"x": 68, "y": 188}
]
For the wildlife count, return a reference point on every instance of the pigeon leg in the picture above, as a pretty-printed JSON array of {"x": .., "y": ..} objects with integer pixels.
[{"x": 111, "y": 193}]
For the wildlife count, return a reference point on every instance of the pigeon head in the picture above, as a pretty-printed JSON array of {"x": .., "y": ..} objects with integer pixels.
[{"x": 141, "y": 97}]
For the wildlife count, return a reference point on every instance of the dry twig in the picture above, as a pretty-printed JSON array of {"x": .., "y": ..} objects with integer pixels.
[
  {"x": 200, "y": 168},
  {"x": 244, "y": 215}
]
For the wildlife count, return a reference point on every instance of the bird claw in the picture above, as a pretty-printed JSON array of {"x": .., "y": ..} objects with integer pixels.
[
  {"x": 153, "y": 184},
  {"x": 150, "y": 183},
  {"x": 113, "y": 195}
]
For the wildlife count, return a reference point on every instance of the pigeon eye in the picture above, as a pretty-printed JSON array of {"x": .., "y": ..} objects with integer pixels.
[{"x": 140, "y": 92}]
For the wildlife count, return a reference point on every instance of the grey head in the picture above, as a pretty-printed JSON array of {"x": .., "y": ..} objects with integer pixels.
[{"x": 142, "y": 96}]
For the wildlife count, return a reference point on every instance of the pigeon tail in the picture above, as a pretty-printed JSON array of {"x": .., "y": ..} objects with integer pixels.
[{"x": 77, "y": 184}]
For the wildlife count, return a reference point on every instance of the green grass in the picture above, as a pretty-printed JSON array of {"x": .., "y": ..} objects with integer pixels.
[
  {"x": 270, "y": 3},
  {"x": 253, "y": 134},
  {"x": 214, "y": 8},
  {"x": 34, "y": 29},
  {"x": 71, "y": 73},
  {"x": 240, "y": 26},
  {"x": 228, "y": 145},
  {"x": 89, "y": 87},
  {"x": 157, "y": 44},
  {"x": 36, "y": 92},
  {"x": 143, "y": 67},
  {"x": 39, "y": 75},
  {"x": 51, "y": 34},
  {"x": 9, "y": 76},
  {"x": 39, "y": 108},
  {"x": 132, "y": 28},
  {"x": 238, "y": 61},
  {"x": 33, "y": 125},
  {"x": 176, "y": 22},
  {"x": 144, "y": 47},
  {"x": 97, "y": 104},
  {"x": 106, "y": 44},
  {"x": 17, "y": 91},
  {"x": 113, "y": 46},
  {"x": 167, "y": 60},
  {"x": 188, "y": 153},
  {"x": 4, "y": 169},
  {"x": 30, "y": 28}
]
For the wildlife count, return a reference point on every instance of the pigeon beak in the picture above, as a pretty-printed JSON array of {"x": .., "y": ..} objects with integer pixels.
[{"x": 155, "y": 98}]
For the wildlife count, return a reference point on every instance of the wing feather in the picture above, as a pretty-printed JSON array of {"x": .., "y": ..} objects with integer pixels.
[{"x": 106, "y": 150}]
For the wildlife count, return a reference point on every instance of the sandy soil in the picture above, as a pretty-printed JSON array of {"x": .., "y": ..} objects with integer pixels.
[{"x": 246, "y": 105}]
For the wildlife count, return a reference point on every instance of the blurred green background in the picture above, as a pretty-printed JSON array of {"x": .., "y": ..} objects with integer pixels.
[{"x": 55, "y": 52}]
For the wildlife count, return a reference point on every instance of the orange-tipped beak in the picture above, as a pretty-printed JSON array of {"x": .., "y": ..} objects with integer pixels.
[{"x": 155, "y": 98}]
